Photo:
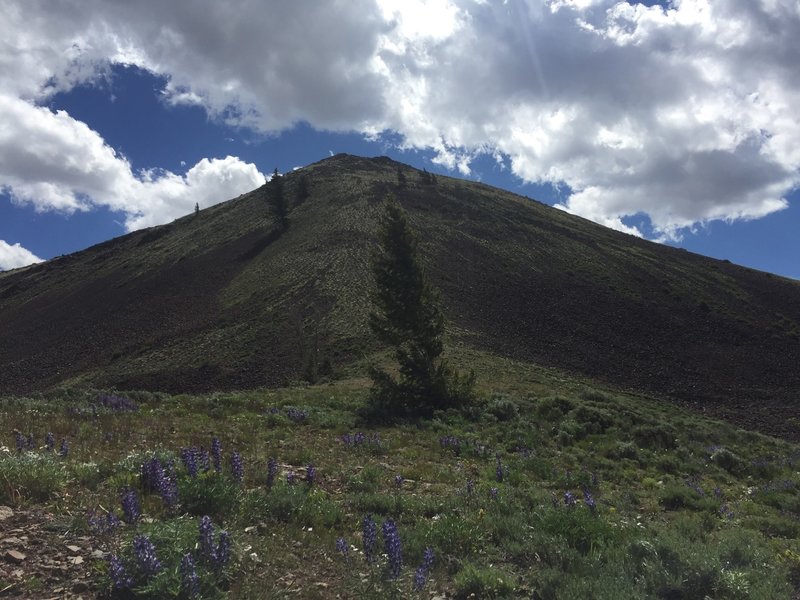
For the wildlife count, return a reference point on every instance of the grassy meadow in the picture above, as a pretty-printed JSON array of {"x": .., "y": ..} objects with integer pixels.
[{"x": 547, "y": 487}]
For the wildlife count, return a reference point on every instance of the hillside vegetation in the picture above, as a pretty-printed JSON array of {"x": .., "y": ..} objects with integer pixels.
[
  {"x": 227, "y": 300},
  {"x": 547, "y": 488}
]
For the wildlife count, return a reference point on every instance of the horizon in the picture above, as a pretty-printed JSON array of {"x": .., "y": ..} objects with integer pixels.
[{"x": 125, "y": 126}]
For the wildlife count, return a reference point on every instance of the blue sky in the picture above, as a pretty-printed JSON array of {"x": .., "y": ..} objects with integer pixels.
[{"x": 675, "y": 122}]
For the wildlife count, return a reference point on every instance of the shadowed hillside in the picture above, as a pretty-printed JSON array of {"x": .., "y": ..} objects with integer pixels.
[{"x": 225, "y": 300}]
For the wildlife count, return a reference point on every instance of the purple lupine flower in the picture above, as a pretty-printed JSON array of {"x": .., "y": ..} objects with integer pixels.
[
  {"x": 189, "y": 459},
  {"x": 593, "y": 480},
  {"x": 726, "y": 512},
  {"x": 206, "y": 538},
  {"x": 398, "y": 481},
  {"x": 272, "y": 471},
  {"x": 470, "y": 487},
  {"x": 146, "y": 555},
  {"x": 19, "y": 440},
  {"x": 499, "y": 474},
  {"x": 50, "y": 441},
  {"x": 718, "y": 493},
  {"x": 131, "y": 509},
  {"x": 311, "y": 474},
  {"x": 589, "y": 501},
  {"x": 222, "y": 555},
  {"x": 118, "y": 574},
  {"x": 216, "y": 454},
  {"x": 421, "y": 574},
  {"x": 151, "y": 474},
  {"x": 63, "y": 450},
  {"x": 203, "y": 459},
  {"x": 290, "y": 478},
  {"x": 394, "y": 550},
  {"x": 298, "y": 415},
  {"x": 237, "y": 468},
  {"x": 30, "y": 442},
  {"x": 168, "y": 490},
  {"x": 103, "y": 524},
  {"x": 190, "y": 582},
  {"x": 342, "y": 547},
  {"x": 569, "y": 499},
  {"x": 369, "y": 533},
  {"x": 493, "y": 493}
]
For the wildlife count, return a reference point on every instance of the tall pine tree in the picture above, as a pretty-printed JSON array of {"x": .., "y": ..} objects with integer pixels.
[
  {"x": 407, "y": 316},
  {"x": 278, "y": 200}
]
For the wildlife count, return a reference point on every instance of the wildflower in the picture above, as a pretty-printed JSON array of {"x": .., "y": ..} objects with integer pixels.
[
  {"x": 298, "y": 415},
  {"x": 421, "y": 574},
  {"x": 272, "y": 471},
  {"x": 63, "y": 451},
  {"x": 290, "y": 478},
  {"x": 369, "y": 531},
  {"x": 119, "y": 576},
  {"x": 216, "y": 454},
  {"x": 569, "y": 499},
  {"x": 398, "y": 481},
  {"x": 493, "y": 493},
  {"x": 206, "y": 538},
  {"x": 30, "y": 442},
  {"x": 222, "y": 554},
  {"x": 588, "y": 500},
  {"x": 470, "y": 487},
  {"x": 499, "y": 471},
  {"x": 311, "y": 474},
  {"x": 593, "y": 480},
  {"x": 131, "y": 510},
  {"x": 341, "y": 547},
  {"x": 237, "y": 468},
  {"x": 103, "y": 524},
  {"x": 49, "y": 441},
  {"x": 189, "y": 458},
  {"x": 146, "y": 555},
  {"x": 391, "y": 543},
  {"x": 190, "y": 582},
  {"x": 19, "y": 440}
]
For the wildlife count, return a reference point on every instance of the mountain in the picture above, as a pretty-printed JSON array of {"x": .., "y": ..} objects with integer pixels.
[{"x": 225, "y": 299}]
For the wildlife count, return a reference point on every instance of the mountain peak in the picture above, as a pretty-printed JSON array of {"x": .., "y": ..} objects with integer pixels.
[{"x": 226, "y": 299}]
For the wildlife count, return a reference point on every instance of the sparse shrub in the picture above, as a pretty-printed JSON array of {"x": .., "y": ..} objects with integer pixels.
[
  {"x": 660, "y": 436},
  {"x": 594, "y": 420},
  {"x": 503, "y": 408},
  {"x": 623, "y": 450},
  {"x": 553, "y": 408},
  {"x": 30, "y": 477},
  {"x": 676, "y": 496},
  {"x": 482, "y": 582},
  {"x": 727, "y": 460}
]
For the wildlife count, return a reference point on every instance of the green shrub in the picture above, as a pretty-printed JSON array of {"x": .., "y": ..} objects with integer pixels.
[
  {"x": 553, "y": 408},
  {"x": 482, "y": 582},
  {"x": 30, "y": 477},
  {"x": 727, "y": 460},
  {"x": 660, "y": 436},
  {"x": 503, "y": 408},
  {"x": 209, "y": 494}
]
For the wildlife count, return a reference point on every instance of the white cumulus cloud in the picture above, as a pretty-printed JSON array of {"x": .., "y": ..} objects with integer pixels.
[
  {"x": 13, "y": 256},
  {"x": 685, "y": 112}
]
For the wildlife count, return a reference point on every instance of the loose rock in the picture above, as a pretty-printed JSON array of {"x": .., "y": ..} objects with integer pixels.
[{"x": 14, "y": 556}]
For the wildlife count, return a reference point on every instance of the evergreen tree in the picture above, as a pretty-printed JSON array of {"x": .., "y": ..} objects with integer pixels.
[
  {"x": 278, "y": 200},
  {"x": 407, "y": 316}
]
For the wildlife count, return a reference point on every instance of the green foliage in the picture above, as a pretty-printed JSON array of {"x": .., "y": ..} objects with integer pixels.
[
  {"x": 483, "y": 582},
  {"x": 30, "y": 477},
  {"x": 407, "y": 316},
  {"x": 209, "y": 494}
]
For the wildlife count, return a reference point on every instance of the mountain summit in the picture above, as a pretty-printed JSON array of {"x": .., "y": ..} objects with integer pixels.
[{"x": 226, "y": 298}]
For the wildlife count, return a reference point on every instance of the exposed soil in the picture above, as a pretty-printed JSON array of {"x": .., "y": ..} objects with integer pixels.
[{"x": 40, "y": 559}]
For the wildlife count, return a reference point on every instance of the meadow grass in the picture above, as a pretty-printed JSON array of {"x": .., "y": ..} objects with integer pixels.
[{"x": 549, "y": 489}]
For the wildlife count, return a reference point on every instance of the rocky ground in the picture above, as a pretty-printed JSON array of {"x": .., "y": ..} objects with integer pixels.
[{"x": 40, "y": 558}]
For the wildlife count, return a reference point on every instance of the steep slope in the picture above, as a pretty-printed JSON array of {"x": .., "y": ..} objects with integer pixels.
[{"x": 225, "y": 300}]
